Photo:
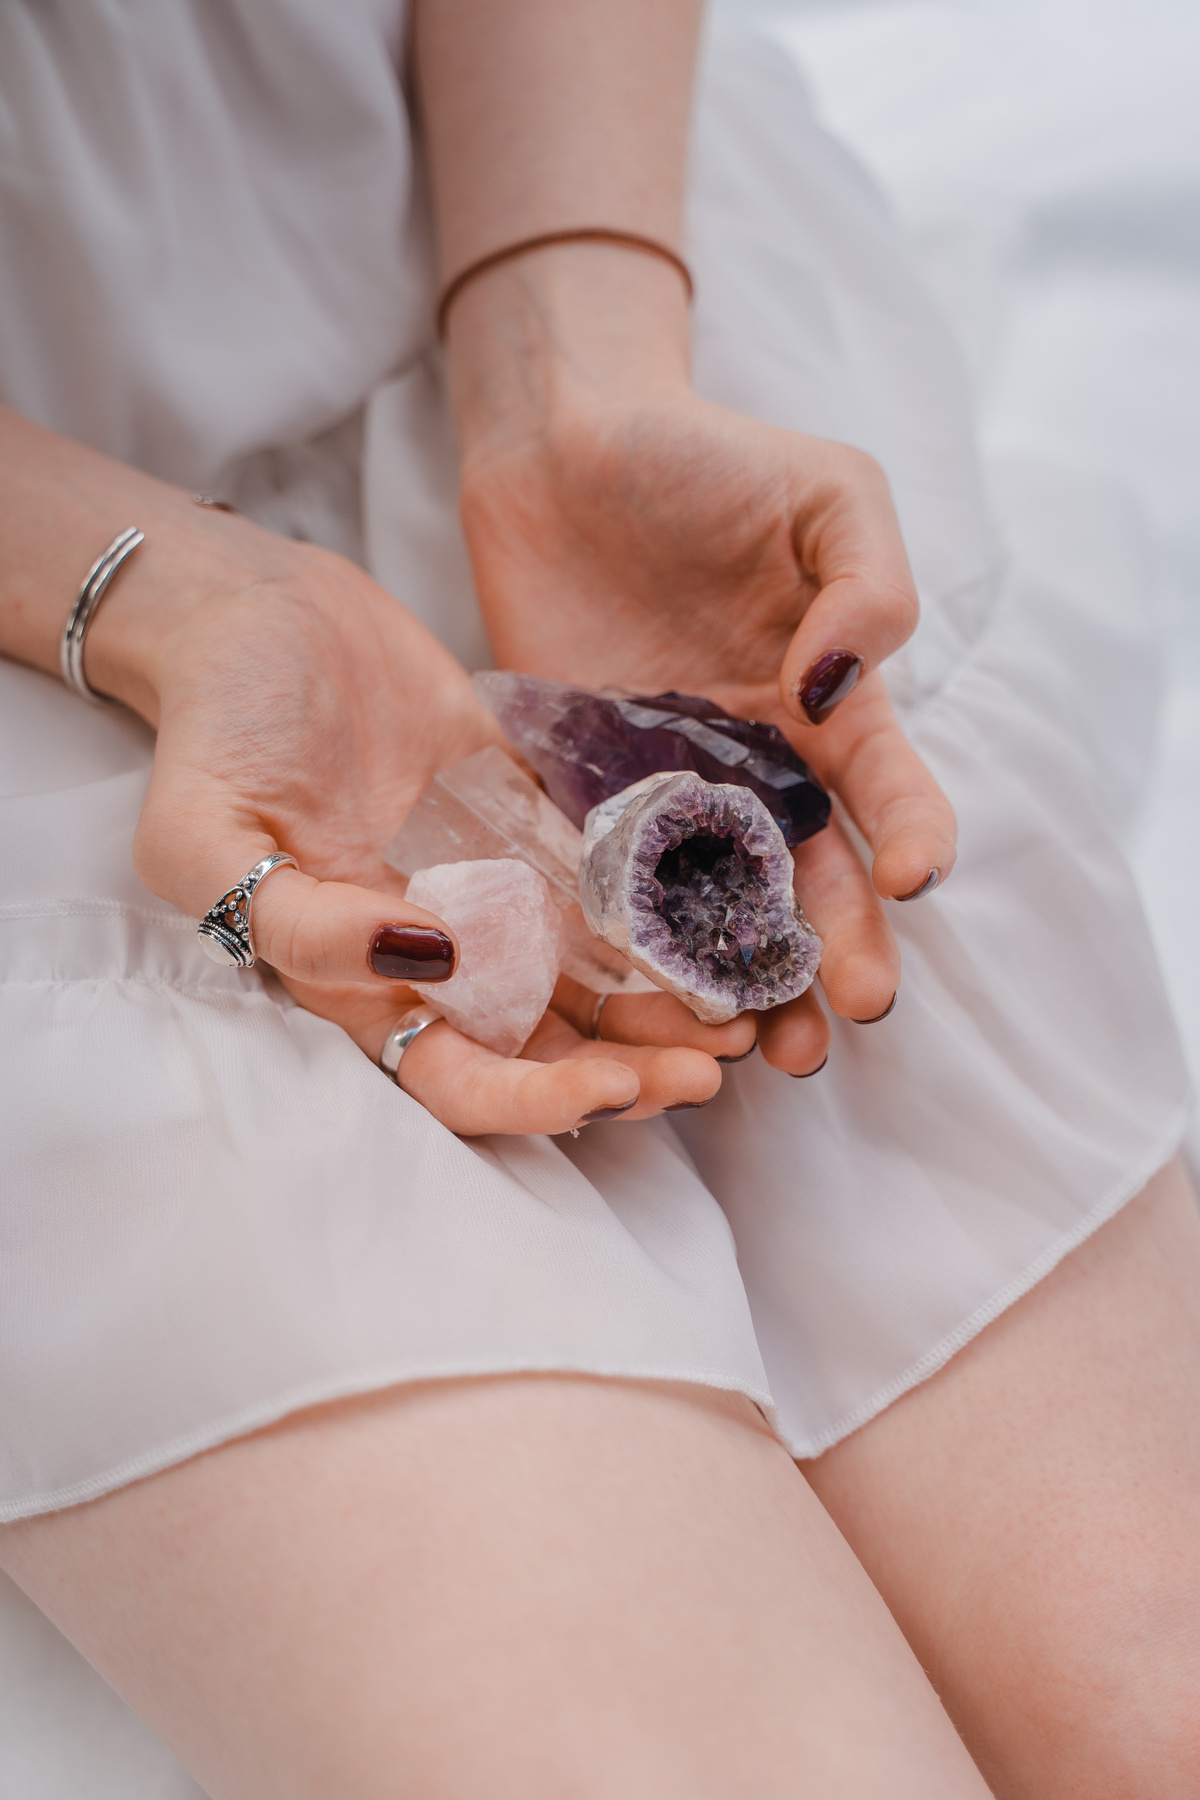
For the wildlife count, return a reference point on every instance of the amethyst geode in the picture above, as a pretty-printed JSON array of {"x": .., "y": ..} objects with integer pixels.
[
  {"x": 587, "y": 747},
  {"x": 693, "y": 881}
]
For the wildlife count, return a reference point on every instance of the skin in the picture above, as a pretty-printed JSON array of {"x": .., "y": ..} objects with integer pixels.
[{"x": 555, "y": 1586}]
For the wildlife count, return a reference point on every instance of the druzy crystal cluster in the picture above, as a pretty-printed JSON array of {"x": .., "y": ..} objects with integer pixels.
[
  {"x": 693, "y": 881},
  {"x": 587, "y": 747}
]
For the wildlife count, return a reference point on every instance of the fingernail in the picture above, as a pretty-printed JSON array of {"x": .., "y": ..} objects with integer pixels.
[
  {"x": 828, "y": 682},
  {"x": 606, "y": 1112},
  {"x": 411, "y": 953},
  {"x": 688, "y": 1105},
  {"x": 742, "y": 1057},
  {"x": 883, "y": 1015},
  {"x": 809, "y": 1073},
  {"x": 926, "y": 887}
]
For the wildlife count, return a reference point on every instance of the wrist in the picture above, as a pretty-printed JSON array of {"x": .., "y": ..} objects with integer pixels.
[
  {"x": 193, "y": 560},
  {"x": 563, "y": 331}
]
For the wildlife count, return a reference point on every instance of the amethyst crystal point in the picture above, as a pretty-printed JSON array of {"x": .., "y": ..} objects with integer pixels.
[
  {"x": 587, "y": 747},
  {"x": 693, "y": 881}
]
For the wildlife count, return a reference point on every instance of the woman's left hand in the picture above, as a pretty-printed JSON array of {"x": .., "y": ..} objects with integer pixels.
[{"x": 667, "y": 543}]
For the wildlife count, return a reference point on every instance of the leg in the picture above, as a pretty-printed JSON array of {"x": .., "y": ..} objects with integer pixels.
[
  {"x": 537, "y": 1588},
  {"x": 1032, "y": 1517}
]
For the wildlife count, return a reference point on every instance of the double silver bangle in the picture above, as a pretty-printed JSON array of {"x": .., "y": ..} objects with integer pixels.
[{"x": 95, "y": 586}]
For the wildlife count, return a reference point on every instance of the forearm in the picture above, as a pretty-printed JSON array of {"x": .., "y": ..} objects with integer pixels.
[{"x": 540, "y": 117}]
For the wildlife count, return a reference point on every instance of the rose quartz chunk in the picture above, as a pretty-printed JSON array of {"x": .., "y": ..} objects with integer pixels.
[{"x": 509, "y": 933}]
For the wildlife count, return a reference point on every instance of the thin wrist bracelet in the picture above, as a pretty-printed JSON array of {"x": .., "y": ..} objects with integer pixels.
[
  {"x": 95, "y": 586},
  {"x": 582, "y": 234}
]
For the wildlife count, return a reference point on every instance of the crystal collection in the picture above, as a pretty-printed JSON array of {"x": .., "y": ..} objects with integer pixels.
[{"x": 681, "y": 879}]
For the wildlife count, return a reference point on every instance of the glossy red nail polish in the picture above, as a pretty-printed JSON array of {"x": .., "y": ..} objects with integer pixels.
[
  {"x": 411, "y": 953},
  {"x": 742, "y": 1057},
  {"x": 689, "y": 1105},
  {"x": 606, "y": 1112},
  {"x": 808, "y": 1074},
  {"x": 883, "y": 1015},
  {"x": 829, "y": 681},
  {"x": 926, "y": 887}
]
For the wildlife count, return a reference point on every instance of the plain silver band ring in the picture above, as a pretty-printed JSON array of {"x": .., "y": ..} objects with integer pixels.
[
  {"x": 95, "y": 586},
  {"x": 224, "y": 931},
  {"x": 408, "y": 1026},
  {"x": 597, "y": 1010}
]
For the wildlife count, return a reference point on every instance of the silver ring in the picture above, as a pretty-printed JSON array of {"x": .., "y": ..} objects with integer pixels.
[
  {"x": 95, "y": 586},
  {"x": 224, "y": 931},
  {"x": 599, "y": 1008},
  {"x": 408, "y": 1026}
]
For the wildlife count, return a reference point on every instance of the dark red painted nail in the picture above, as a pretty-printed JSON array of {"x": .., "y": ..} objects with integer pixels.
[
  {"x": 809, "y": 1073},
  {"x": 411, "y": 953},
  {"x": 926, "y": 887},
  {"x": 742, "y": 1057},
  {"x": 606, "y": 1112},
  {"x": 688, "y": 1105},
  {"x": 831, "y": 678},
  {"x": 883, "y": 1015}
]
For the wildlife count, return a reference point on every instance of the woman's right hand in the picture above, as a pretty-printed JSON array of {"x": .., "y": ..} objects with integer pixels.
[{"x": 300, "y": 707}]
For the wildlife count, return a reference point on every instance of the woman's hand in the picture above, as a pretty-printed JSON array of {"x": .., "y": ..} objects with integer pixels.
[
  {"x": 300, "y": 707},
  {"x": 625, "y": 532}
]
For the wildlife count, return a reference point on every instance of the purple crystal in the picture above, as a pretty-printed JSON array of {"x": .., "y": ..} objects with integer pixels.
[
  {"x": 693, "y": 882},
  {"x": 587, "y": 747}
]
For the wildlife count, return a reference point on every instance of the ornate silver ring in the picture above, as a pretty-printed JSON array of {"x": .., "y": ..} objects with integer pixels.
[
  {"x": 408, "y": 1026},
  {"x": 224, "y": 931}
]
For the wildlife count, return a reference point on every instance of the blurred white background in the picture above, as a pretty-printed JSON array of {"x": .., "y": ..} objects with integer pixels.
[{"x": 1044, "y": 159}]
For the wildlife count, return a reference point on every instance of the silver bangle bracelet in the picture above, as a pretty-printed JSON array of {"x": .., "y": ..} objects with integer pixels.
[
  {"x": 94, "y": 588},
  {"x": 408, "y": 1026}
]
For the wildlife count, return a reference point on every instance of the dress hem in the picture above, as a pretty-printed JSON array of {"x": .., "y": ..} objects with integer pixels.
[{"x": 321, "y": 1393}]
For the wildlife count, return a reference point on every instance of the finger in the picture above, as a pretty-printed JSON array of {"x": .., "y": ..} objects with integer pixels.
[
  {"x": 795, "y": 1037},
  {"x": 468, "y": 1088},
  {"x": 864, "y": 756},
  {"x": 670, "y": 1080},
  {"x": 658, "y": 1019},
  {"x": 860, "y": 964},
  {"x": 194, "y": 842},
  {"x": 847, "y": 542}
]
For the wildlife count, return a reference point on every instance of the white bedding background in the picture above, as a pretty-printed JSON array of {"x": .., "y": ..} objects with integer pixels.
[{"x": 1043, "y": 156}]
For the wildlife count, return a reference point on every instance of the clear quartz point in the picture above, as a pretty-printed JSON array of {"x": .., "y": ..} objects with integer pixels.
[{"x": 486, "y": 807}]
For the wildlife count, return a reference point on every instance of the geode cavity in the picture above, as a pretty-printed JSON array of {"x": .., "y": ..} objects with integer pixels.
[
  {"x": 693, "y": 881},
  {"x": 587, "y": 747}
]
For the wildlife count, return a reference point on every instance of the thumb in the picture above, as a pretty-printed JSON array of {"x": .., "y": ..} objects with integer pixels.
[
  {"x": 847, "y": 541},
  {"x": 309, "y": 930}
]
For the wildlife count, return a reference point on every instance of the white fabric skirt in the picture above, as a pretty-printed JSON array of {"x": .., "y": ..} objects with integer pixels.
[{"x": 216, "y": 1210}]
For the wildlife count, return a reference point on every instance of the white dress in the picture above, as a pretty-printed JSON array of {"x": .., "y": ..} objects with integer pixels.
[{"x": 214, "y": 264}]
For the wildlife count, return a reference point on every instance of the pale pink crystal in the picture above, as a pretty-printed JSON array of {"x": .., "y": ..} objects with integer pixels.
[
  {"x": 509, "y": 934},
  {"x": 487, "y": 806}
]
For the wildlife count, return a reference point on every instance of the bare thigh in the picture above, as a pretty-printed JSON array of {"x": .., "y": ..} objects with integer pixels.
[
  {"x": 1032, "y": 1517},
  {"x": 521, "y": 1587}
]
